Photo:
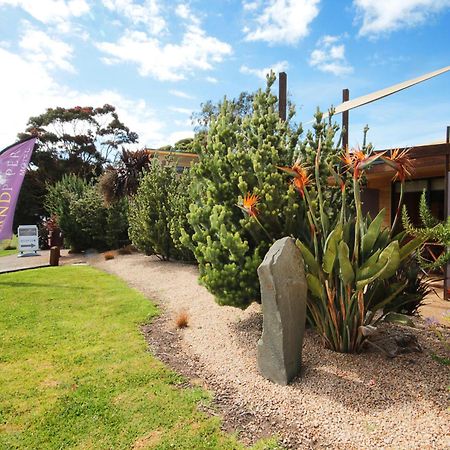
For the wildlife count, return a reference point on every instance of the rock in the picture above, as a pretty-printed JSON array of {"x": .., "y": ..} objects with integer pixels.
[
  {"x": 394, "y": 342},
  {"x": 283, "y": 295}
]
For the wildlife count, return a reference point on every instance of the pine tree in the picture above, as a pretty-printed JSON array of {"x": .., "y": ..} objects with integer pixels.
[{"x": 241, "y": 156}]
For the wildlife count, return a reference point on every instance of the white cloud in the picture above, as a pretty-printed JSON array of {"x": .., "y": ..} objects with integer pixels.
[
  {"x": 280, "y": 66},
  {"x": 329, "y": 56},
  {"x": 183, "y": 123},
  {"x": 281, "y": 21},
  {"x": 50, "y": 11},
  {"x": 251, "y": 5},
  {"x": 327, "y": 39},
  {"x": 180, "y": 110},
  {"x": 147, "y": 13},
  {"x": 184, "y": 12},
  {"x": 212, "y": 80},
  {"x": 383, "y": 58},
  {"x": 178, "y": 135},
  {"x": 168, "y": 62},
  {"x": 29, "y": 89},
  {"x": 39, "y": 47},
  {"x": 384, "y": 16},
  {"x": 181, "y": 94}
]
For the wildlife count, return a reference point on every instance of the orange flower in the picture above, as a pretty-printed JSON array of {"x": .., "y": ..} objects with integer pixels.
[
  {"x": 358, "y": 160},
  {"x": 301, "y": 177},
  {"x": 249, "y": 204},
  {"x": 401, "y": 162},
  {"x": 347, "y": 158}
]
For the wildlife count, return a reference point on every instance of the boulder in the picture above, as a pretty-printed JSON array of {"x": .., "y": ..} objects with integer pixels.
[{"x": 283, "y": 294}]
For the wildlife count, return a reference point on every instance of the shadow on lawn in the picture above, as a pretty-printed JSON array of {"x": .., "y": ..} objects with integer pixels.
[{"x": 39, "y": 285}]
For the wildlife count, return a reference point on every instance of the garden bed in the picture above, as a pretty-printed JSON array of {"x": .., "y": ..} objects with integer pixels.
[{"x": 340, "y": 401}]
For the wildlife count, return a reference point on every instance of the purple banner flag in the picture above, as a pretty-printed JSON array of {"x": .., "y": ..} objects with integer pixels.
[{"x": 13, "y": 165}]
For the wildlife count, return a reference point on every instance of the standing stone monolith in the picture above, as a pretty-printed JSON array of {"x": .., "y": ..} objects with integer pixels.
[{"x": 283, "y": 293}]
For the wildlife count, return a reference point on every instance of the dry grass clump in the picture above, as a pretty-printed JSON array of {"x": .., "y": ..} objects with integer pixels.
[
  {"x": 108, "y": 256},
  {"x": 182, "y": 320}
]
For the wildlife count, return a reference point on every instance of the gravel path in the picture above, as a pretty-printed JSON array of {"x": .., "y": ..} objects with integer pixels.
[{"x": 341, "y": 401}]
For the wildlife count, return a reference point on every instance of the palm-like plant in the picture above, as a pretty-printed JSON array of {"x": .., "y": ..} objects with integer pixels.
[{"x": 123, "y": 179}]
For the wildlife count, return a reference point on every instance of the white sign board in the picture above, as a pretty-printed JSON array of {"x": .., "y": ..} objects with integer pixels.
[{"x": 28, "y": 238}]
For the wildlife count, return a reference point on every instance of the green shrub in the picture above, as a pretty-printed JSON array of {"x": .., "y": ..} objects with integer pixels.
[
  {"x": 240, "y": 156},
  {"x": 58, "y": 201},
  {"x": 116, "y": 231},
  {"x": 416, "y": 289},
  {"x": 157, "y": 213},
  {"x": 84, "y": 219},
  {"x": 433, "y": 231},
  {"x": 180, "y": 201}
]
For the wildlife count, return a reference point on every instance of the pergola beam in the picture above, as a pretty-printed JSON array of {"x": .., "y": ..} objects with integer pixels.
[{"x": 377, "y": 95}]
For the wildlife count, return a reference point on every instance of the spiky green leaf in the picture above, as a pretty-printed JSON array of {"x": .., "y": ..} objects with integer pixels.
[
  {"x": 331, "y": 250},
  {"x": 308, "y": 257},
  {"x": 346, "y": 267},
  {"x": 315, "y": 286},
  {"x": 370, "y": 237},
  {"x": 391, "y": 254}
]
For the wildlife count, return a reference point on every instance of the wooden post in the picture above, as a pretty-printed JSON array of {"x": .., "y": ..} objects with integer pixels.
[
  {"x": 447, "y": 211},
  {"x": 282, "y": 95},
  {"x": 54, "y": 256},
  {"x": 345, "y": 98}
]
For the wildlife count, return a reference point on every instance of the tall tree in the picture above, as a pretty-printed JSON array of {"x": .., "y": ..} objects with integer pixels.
[
  {"x": 78, "y": 140},
  {"x": 240, "y": 107}
]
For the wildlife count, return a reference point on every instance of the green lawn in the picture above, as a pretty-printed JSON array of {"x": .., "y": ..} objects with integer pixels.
[
  {"x": 75, "y": 371},
  {"x": 8, "y": 242}
]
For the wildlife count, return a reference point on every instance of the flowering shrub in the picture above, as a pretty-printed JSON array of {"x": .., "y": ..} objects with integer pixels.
[{"x": 351, "y": 261}]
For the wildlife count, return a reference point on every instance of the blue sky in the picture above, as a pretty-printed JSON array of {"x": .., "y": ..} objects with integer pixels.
[{"x": 157, "y": 60}]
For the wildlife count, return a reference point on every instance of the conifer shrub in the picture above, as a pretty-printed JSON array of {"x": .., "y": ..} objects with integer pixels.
[
  {"x": 157, "y": 212},
  {"x": 83, "y": 217},
  {"x": 241, "y": 155}
]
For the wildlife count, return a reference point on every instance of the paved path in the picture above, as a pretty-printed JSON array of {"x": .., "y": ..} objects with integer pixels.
[{"x": 12, "y": 262}]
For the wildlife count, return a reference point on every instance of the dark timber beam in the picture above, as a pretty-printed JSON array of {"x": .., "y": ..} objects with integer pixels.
[
  {"x": 447, "y": 210},
  {"x": 345, "y": 98},
  {"x": 282, "y": 95}
]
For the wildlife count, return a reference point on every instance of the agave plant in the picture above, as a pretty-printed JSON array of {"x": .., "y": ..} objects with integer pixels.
[{"x": 351, "y": 263}]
